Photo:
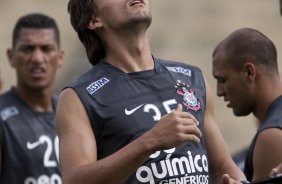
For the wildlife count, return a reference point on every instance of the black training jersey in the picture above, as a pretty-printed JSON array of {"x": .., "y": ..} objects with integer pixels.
[
  {"x": 273, "y": 119},
  {"x": 29, "y": 143},
  {"x": 122, "y": 106}
]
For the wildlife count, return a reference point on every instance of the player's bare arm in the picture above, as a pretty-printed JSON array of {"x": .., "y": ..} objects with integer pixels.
[
  {"x": 78, "y": 155},
  {"x": 267, "y": 152},
  {"x": 220, "y": 161}
]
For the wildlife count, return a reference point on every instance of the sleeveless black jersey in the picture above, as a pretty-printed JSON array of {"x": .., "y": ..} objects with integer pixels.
[
  {"x": 29, "y": 143},
  {"x": 122, "y": 106},
  {"x": 273, "y": 119}
]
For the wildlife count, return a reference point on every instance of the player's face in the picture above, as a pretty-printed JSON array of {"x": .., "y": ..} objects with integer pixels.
[
  {"x": 116, "y": 14},
  {"x": 232, "y": 85},
  {"x": 36, "y": 58}
]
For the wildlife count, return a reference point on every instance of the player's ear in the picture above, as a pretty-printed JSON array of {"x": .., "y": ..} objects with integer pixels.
[
  {"x": 10, "y": 56},
  {"x": 250, "y": 70},
  {"x": 95, "y": 23}
]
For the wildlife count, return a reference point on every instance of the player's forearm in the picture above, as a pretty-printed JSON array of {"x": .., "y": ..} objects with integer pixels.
[
  {"x": 115, "y": 168},
  {"x": 234, "y": 173}
]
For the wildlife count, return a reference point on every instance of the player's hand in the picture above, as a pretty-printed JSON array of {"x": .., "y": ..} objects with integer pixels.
[
  {"x": 175, "y": 128},
  {"x": 226, "y": 179},
  {"x": 277, "y": 171}
]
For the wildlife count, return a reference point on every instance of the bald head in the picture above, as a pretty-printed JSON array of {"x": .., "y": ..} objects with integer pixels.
[{"x": 250, "y": 45}]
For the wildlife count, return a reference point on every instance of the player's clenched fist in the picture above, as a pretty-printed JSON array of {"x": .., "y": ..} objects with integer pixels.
[{"x": 173, "y": 129}]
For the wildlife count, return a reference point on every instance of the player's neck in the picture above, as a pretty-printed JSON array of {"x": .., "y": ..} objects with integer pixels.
[
  {"x": 130, "y": 53},
  {"x": 270, "y": 90},
  {"x": 37, "y": 100}
]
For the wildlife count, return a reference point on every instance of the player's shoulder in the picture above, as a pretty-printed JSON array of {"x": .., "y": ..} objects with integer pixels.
[
  {"x": 182, "y": 67},
  {"x": 270, "y": 135},
  {"x": 7, "y": 98},
  {"x": 97, "y": 72},
  {"x": 269, "y": 142},
  {"x": 176, "y": 63},
  {"x": 9, "y": 105}
]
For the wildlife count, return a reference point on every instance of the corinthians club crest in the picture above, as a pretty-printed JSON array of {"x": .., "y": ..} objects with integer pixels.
[{"x": 190, "y": 101}]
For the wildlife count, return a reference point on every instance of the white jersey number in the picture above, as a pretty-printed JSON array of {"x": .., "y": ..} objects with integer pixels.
[
  {"x": 151, "y": 108},
  {"x": 43, "y": 139}
]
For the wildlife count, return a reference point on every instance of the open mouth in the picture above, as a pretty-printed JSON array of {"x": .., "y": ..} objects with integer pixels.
[
  {"x": 37, "y": 71},
  {"x": 136, "y": 2}
]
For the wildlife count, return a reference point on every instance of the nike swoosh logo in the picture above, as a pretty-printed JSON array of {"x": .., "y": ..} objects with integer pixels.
[
  {"x": 31, "y": 146},
  {"x": 129, "y": 112}
]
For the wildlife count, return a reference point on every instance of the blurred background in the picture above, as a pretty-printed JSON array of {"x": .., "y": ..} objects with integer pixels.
[{"x": 182, "y": 30}]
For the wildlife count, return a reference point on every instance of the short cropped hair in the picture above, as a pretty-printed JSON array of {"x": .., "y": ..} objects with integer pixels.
[
  {"x": 35, "y": 21},
  {"x": 249, "y": 43}
]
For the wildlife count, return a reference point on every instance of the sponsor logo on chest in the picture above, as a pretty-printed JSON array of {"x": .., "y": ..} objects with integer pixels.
[
  {"x": 8, "y": 112},
  {"x": 95, "y": 86},
  {"x": 179, "y": 70}
]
